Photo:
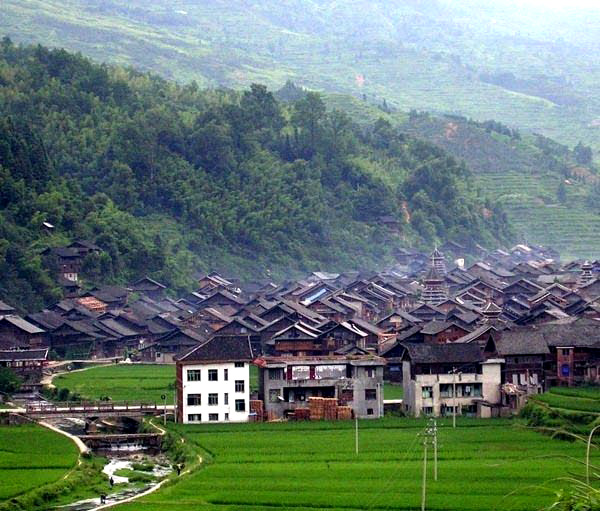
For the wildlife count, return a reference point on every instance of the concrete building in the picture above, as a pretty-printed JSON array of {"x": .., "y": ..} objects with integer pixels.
[
  {"x": 438, "y": 378},
  {"x": 287, "y": 383},
  {"x": 213, "y": 382}
]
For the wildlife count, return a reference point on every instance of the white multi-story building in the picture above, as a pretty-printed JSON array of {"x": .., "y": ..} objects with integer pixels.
[{"x": 213, "y": 382}]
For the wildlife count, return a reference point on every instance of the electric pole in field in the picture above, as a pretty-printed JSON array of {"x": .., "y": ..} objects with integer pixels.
[
  {"x": 430, "y": 435},
  {"x": 424, "y": 484},
  {"x": 356, "y": 433}
]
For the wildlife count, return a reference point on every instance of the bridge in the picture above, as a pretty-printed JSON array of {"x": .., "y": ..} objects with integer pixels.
[
  {"x": 86, "y": 409},
  {"x": 104, "y": 441}
]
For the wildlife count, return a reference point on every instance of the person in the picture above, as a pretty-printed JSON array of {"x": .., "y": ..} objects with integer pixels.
[
  {"x": 102, "y": 498},
  {"x": 178, "y": 468},
  {"x": 111, "y": 481}
]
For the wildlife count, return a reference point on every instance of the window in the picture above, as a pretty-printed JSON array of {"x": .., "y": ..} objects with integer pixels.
[
  {"x": 213, "y": 399},
  {"x": 239, "y": 386},
  {"x": 427, "y": 410},
  {"x": 274, "y": 395},
  {"x": 426, "y": 392},
  {"x": 370, "y": 394},
  {"x": 446, "y": 390},
  {"x": 213, "y": 417},
  {"x": 239, "y": 364},
  {"x": 240, "y": 405},
  {"x": 565, "y": 352},
  {"x": 193, "y": 375},
  {"x": 194, "y": 400},
  {"x": 194, "y": 417},
  {"x": 275, "y": 374},
  {"x": 226, "y": 416},
  {"x": 369, "y": 411},
  {"x": 226, "y": 374},
  {"x": 213, "y": 375},
  {"x": 370, "y": 372},
  {"x": 347, "y": 395},
  {"x": 226, "y": 398}
]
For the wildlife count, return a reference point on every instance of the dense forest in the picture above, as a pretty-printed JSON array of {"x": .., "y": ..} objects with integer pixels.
[{"x": 171, "y": 179}]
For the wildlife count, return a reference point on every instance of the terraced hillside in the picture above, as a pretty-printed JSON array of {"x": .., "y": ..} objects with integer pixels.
[
  {"x": 485, "y": 59},
  {"x": 524, "y": 172}
]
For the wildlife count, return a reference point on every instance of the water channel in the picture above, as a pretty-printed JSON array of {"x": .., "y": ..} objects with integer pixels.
[{"x": 144, "y": 467}]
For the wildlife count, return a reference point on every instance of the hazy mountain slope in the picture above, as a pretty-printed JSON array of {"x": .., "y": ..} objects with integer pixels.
[
  {"x": 535, "y": 69},
  {"x": 524, "y": 172},
  {"x": 170, "y": 179}
]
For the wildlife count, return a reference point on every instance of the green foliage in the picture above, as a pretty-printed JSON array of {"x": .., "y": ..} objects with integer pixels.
[
  {"x": 169, "y": 179},
  {"x": 583, "y": 154},
  {"x": 561, "y": 193},
  {"x": 444, "y": 56},
  {"x": 9, "y": 381}
]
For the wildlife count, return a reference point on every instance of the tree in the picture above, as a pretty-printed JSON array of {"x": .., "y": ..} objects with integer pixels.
[
  {"x": 561, "y": 192},
  {"x": 9, "y": 381},
  {"x": 583, "y": 154}
]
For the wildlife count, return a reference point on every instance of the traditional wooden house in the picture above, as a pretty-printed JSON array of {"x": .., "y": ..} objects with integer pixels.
[
  {"x": 149, "y": 287},
  {"x": 18, "y": 333},
  {"x": 165, "y": 349},
  {"x": 440, "y": 332},
  {"x": 27, "y": 364}
]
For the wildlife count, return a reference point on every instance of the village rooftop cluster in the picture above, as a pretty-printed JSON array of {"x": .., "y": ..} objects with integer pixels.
[{"x": 471, "y": 340}]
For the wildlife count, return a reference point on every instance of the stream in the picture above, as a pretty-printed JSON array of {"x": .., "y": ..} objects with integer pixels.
[{"x": 119, "y": 459}]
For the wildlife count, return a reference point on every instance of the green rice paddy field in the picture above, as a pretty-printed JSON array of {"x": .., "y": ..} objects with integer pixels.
[
  {"x": 31, "y": 456},
  {"x": 584, "y": 399},
  {"x": 483, "y": 465},
  {"x": 122, "y": 382}
]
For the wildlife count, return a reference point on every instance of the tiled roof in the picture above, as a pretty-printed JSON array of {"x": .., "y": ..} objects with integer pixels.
[{"x": 220, "y": 349}]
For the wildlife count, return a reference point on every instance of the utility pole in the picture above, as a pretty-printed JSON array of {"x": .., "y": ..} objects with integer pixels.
[
  {"x": 454, "y": 371},
  {"x": 424, "y": 490},
  {"x": 356, "y": 432},
  {"x": 430, "y": 433},
  {"x": 435, "y": 451}
]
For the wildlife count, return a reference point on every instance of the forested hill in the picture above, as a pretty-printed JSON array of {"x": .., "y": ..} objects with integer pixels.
[
  {"x": 529, "y": 63},
  {"x": 170, "y": 179}
]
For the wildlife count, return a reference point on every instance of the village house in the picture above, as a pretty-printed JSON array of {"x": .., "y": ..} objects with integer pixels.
[
  {"x": 213, "y": 382},
  {"x": 27, "y": 364},
  {"x": 287, "y": 383},
  {"x": 443, "y": 379},
  {"x": 18, "y": 333}
]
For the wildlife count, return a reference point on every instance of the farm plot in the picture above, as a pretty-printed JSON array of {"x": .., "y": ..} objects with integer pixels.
[
  {"x": 124, "y": 382},
  {"x": 578, "y": 399},
  {"x": 31, "y": 456},
  {"x": 483, "y": 465},
  {"x": 128, "y": 382}
]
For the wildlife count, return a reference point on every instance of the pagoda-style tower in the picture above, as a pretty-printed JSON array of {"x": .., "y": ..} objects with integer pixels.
[
  {"x": 438, "y": 262},
  {"x": 586, "y": 274},
  {"x": 490, "y": 311},
  {"x": 435, "y": 290}
]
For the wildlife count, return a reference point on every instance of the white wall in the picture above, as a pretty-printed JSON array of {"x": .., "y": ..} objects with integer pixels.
[{"x": 204, "y": 387}]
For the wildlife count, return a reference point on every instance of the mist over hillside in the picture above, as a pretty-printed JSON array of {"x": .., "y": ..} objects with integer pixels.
[{"x": 522, "y": 63}]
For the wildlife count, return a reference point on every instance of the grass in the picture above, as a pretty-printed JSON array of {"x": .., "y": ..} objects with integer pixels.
[
  {"x": 576, "y": 399},
  {"x": 137, "y": 382},
  {"x": 393, "y": 391},
  {"x": 31, "y": 456},
  {"x": 122, "y": 382},
  {"x": 483, "y": 465}
]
